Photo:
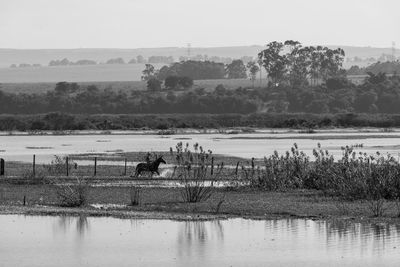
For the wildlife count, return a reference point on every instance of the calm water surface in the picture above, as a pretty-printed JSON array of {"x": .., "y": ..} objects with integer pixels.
[
  {"x": 21, "y": 148},
  {"x": 81, "y": 241}
]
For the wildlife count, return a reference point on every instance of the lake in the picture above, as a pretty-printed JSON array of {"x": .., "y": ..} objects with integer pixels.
[
  {"x": 258, "y": 145},
  {"x": 102, "y": 241}
]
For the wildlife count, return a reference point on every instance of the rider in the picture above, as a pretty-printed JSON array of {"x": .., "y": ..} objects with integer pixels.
[{"x": 148, "y": 158}]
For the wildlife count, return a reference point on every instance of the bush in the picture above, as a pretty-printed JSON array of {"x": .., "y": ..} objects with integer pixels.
[
  {"x": 283, "y": 172},
  {"x": 193, "y": 171},
  {"x": 352, "y": 177},
  {"x": 72, "y": 195}
]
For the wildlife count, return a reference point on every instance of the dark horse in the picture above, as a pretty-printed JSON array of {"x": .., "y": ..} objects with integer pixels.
[{"x": 151, "y": 166}]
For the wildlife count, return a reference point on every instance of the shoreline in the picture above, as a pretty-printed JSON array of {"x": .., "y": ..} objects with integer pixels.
[
  {"x": 167, "y": 203},
  {"x": 125, "y": 214},
  {"x": 229, "y": 131}
]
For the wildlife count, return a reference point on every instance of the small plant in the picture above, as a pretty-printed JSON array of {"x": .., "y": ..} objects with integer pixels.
[
  {"x": 72, "y": 195},
  {"x": 135, "y": 193},
  {"x": 377, "y": 206}
]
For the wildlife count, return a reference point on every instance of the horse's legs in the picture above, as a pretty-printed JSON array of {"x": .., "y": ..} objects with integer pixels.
[{"x": 137, "y": 172}]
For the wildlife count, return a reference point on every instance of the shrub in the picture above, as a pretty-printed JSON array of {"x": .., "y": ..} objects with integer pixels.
[
  {"x": 72, "y": 195},
  {"x": 193, "y": 171},
  {"x": 283, "y": 172}
]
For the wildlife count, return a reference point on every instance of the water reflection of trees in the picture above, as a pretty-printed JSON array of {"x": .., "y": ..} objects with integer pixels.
[
  {"x": 80, "y": 223},
  {"x": 197, "y": 236},
  {"x": 344, "y": 235},
  {"x": 349, "y": 235}
]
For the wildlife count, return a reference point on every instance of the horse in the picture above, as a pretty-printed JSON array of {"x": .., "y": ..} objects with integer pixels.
[{"x": 151, "y": 166}]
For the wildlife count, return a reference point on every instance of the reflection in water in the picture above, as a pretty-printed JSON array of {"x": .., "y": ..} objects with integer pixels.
[
  {"x": 81, "y": 241},
  {"x": 368, "y": 237},
  {"x": 80, "y": 223},
  {"x": 195, "y": 237}
]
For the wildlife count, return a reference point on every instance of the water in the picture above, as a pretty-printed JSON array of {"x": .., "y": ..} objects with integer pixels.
[
  {"x": 21, "y": 148},
  {"x": 80, "y": 241}
]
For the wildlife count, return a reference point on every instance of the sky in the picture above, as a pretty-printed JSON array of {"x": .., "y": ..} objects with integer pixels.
[{"x": 202, "y": 23}]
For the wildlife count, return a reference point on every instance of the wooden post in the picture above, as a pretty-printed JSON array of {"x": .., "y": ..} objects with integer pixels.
[
  {"x": 66, "y": 163},
  {"x": 212, "y": 165},
  {"x": 95, "y": 166},
  {"x": 237, "y": 167},
  {"x": 34, "y": 165},
  {"x": 2, "y": 166},
  {"x": 125, "y": 168}
]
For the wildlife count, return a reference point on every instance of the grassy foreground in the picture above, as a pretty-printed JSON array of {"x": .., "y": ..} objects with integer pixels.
[{"x": 167, "y": 203}]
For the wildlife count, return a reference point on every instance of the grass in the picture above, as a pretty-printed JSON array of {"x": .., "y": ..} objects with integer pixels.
[
  {"x": 242, "y": 202},
  {"x": 92, "y": 73}
]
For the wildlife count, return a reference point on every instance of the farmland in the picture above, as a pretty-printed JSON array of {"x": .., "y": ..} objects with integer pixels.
[
  {"x": 98, "y": 73},
  {"x": 126, "y": 86}
]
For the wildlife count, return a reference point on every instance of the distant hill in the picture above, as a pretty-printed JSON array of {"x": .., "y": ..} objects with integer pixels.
[
  {"x": 124, "y": 72},
  {"x": 44, "y": 56}
]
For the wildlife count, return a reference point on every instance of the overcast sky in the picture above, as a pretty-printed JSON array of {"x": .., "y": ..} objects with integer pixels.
[{"x": 203, "y": 23}]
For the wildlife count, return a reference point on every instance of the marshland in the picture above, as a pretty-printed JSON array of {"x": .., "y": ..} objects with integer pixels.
[{"x": 217, "y": 143}]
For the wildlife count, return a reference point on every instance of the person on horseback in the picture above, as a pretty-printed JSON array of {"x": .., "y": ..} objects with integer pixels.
[{"x": 149, "y": 166}]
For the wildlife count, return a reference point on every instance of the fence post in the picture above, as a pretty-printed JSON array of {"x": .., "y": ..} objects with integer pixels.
[
  {"x": 95, "y": 166},
  {"x": 212, "y": 166},
  {"x": 66, "y": 163},
  {"x": 34, "y": 165},
  {"x": 125, "y": 168},
  {"x": 2, "y": 166}
]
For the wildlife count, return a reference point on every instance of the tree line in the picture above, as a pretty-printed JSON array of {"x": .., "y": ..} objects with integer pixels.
[{"x": 377, "y": 94}]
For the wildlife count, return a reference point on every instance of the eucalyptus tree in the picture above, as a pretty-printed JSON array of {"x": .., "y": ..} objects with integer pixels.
[
  {"x": 298, "y": 63},
  {"x": 236, "y": 70},
  {"x": 253, "y": 70},
  {"x": 274, "y": 61}
]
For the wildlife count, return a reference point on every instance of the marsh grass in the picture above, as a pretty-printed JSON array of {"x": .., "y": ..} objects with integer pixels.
[
  {"x": 355, "y": 176},
  {"x": 195, "y": 169}
]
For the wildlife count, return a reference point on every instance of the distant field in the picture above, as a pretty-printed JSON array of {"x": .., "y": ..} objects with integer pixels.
[
  {"x": 230, "y": 84},
  {"x": 123, "y": 85},
  {"x": 100, "y": 73}
]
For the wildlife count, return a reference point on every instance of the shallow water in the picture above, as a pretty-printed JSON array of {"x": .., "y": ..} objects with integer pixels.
[
  {"x": 81, "y": 241},
  {"x": 21, "y": 148}
]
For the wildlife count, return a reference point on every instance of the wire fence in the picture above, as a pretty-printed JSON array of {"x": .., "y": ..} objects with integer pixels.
[{"x": 66, "y": 166}]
